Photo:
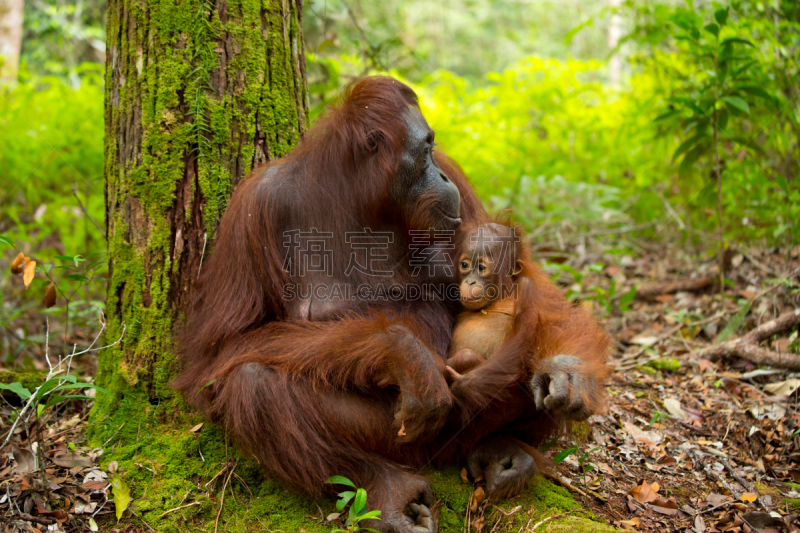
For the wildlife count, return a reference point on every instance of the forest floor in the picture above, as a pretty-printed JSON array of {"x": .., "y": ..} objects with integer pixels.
[{"x": 695, "y": 438}]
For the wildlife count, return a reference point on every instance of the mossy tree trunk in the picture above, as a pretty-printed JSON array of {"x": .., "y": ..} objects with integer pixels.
[{"x": 198, "y": 92}]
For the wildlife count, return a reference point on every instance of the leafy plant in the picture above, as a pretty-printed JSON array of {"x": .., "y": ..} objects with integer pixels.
[
  {"x": 51, "y": 392},
  {"x": 357, "y": 499},
  {"x": 722, "y": 90},
  {"x": 607, "y": 296},
  {"x": 78, "y": 277},
  {"x": 563, "y": 454},
  {"x": 583, "y": 459}
]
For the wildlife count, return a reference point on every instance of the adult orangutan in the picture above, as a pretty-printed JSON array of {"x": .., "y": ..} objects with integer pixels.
[{"x": 318, "y": 338}]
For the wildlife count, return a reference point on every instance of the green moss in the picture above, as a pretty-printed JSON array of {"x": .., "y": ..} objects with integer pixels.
[
  {"x": 189, "y": 98},
  {"x": 542, "y": 499},
  {"x": 793, "y": 503},
  {"x": 667, "y": 364},
  {"x": 165, "y": 470},
  {"x": 29, "y": 380}
]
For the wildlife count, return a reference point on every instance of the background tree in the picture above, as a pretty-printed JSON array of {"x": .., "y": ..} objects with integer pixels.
[{"x": 10, "y": 38}]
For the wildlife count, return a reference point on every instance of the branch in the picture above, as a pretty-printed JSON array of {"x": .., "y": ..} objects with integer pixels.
[
  {"x": 86, "y": 212},
  {"x": 768, "y": 329},
  {"x": 54, "y": 371},
  {"x": 747, "y": 347},
  {"x": 650, "y": 292}
]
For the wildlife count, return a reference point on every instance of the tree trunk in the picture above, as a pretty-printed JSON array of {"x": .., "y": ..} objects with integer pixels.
[
  {"x": 10, "y": 39},
  {"x": 614, "y": 34},
  {"x": 198, "y": 92}
]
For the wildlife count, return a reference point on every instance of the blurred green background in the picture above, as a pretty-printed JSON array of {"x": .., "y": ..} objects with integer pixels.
[{"x": 588, "y": 118}]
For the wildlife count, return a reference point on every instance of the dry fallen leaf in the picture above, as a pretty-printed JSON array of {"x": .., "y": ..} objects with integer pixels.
[
  {"x": 95, "y": 485},
  {"x": 643, "y": 340},
  {"x": 645, "y": 492},
  {"x": 783, "y": 388},
  {"x": 477, "y": 497},
  {"x": 643, "y": 437},
  {"x": 60, "y": 515},
  {"x": 196, "y": 428},
  {"x": 673, "y": 407},
  {"x": 18, "y": 264},
  {"x": 27, "y": 276},
  {"x": 716, "y": 499},
  {"x": 26, "y": 463},
  {"x": 761, "y": 521},
  {"x": 464, "y": 478},
  {"x": 667, "y": 506},
  {"x": 699, "y": 524},
  {"x": 667, "y": 460},
  {"x": 50, "y": 296},
  {"x": 749, "y": 497},
  {"x": 630, "y": 524},
  {"x": 71, "y": 460}
]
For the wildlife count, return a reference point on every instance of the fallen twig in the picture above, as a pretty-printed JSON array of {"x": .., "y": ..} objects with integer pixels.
[
  {"x": 143, "y": 520},
  {"x": 714, "y": 508},
  {"x": 178, "y": 509},
  {"x": 554, "y": 517},
  {"x": 721, "y": 480},
  {"x": 115, "y": 434},
  {"x": 86, "y": 212},
  {"x": 54, "y": 371},
  {"x": 629, "y": 361},
  {"x": 747, "y": 347},
  {"x": 650, "y": 292},
  {"x": 222, "y": 498},
  {"x": 744, "y": 483}
]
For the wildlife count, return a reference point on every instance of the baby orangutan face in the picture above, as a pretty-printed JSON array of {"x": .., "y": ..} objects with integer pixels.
[{"x": 489, "y": 261}]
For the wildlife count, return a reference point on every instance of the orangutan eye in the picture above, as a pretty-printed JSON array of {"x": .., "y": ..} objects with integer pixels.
[
  {"x": 464, "y": 265},
  {"x": 481, "y": 268}
]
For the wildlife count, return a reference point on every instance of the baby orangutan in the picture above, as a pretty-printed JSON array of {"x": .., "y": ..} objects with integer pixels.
[
  {"x": 489, "y": 267},
  {"x": 516, "y": 325}
]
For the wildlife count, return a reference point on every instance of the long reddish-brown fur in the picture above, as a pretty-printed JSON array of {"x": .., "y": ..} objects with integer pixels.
[
  {"x": 311, "y": 399},
  {"x": 546, "y": 325}
]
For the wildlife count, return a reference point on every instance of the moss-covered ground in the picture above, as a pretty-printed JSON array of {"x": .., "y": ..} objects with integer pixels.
[{"x": 169, "y": 467}]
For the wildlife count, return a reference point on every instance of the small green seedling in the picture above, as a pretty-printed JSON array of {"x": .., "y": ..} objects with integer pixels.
[
  {"x": 657, "y": 418},
  {"x": 358, "y": 511}
]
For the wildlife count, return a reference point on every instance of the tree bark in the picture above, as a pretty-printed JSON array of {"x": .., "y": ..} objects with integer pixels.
[
  {"x": 198, "y": 92},
  {"x": 10, "y": 39}
]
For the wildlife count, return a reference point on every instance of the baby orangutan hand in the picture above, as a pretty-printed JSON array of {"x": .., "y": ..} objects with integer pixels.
[
  {"x": 459, "y": 364},
  {"x": 563, "y": 384}
]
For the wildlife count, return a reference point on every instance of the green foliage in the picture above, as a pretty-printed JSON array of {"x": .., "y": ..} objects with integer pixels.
[
  {"x": 657, "y": 418},
  {"x": 358, "y": 506},
  {"x": 51, "y": 392},
  {"x": 53, "y": 144},
  {"x": 563, "y": 454},
  {"x": 667, "y": 364},
  {"x": 734, "y": 324},
  {"x": 59, "y": 37},
  {"x": 467, "y": 37},
  {"x": 51, "y": 178},
  {"x": 730, "y": 74},
  {"x": 567, "y": 152},
  {"x": 122, "y": 494}
]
